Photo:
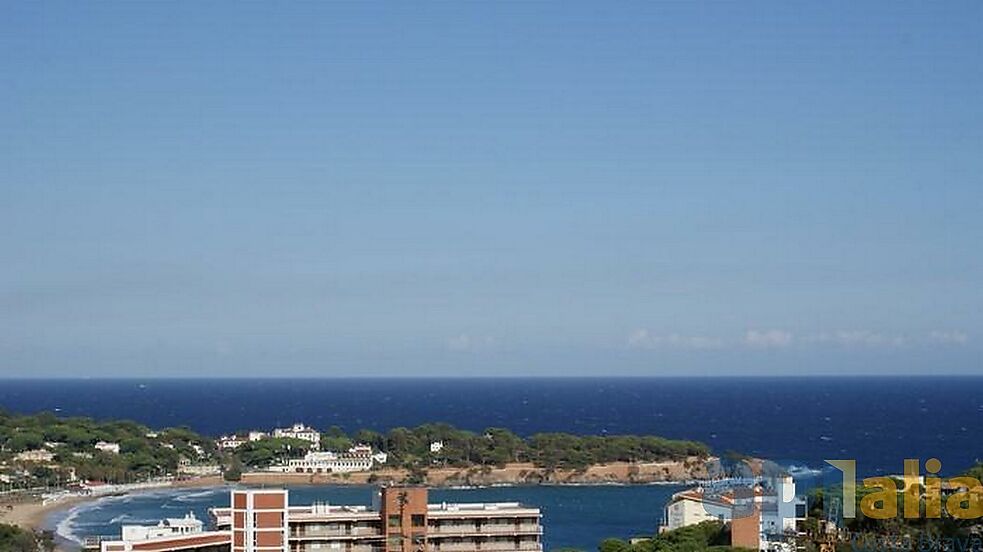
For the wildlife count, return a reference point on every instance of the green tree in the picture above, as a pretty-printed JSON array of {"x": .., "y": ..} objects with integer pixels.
[
  {"x": 15, "y": 539},
  {"x": 613, "y": 545},
  {"x": 234, "y": 471}
]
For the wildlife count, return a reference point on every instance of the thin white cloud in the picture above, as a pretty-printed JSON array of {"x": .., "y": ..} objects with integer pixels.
[
  {"x": 942, "y": 337},
  {"x": 857, "y": 338},
  {"x": 643, "y": 339},
  {"x": 470, "y": 343},
  {"x": 768, "y": 339},
  {"x": 779, "y": 339}
]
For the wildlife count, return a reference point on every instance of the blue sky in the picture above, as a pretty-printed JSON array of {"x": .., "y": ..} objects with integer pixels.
[{"x": 484, "y": 188}]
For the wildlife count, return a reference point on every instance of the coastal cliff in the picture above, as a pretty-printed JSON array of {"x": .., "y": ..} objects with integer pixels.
[{"x": 515, "y": 473}]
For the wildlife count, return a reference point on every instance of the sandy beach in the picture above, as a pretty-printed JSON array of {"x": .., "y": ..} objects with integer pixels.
[{"x": 32, "y": 513}]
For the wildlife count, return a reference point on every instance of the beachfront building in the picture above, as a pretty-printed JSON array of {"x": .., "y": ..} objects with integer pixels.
[
  {"x": 323, "y": 462},
  {"x": 300, "y": 431},
  {"x": 357, "y": 458},
  {"x": 365, "y": 451},
  {"x": 400, "y": 520},
  {"x": 199, "y": 470},
  {"x": 170, "y": 527}
]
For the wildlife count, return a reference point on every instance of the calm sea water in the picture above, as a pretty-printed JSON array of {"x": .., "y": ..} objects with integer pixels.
[{"x": 799, "y": 421}]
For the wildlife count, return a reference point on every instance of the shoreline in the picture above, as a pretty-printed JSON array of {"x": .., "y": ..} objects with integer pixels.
[
  {"x": 35, "y": 513},
  {"x": 38, "y": 514},
  {"x": 511, "y": 474}
]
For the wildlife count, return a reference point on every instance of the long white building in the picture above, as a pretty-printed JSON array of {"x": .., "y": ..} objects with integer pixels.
[{"x": 358, "y": 458}]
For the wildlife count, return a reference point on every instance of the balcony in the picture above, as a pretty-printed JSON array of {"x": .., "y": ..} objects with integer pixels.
[
  {"x": 314, "y": 532},
  {"x": 312, "y": 547},
  {"x": 454, "y": 547},
  {"x": 479, "y": 546},
  {"x": 486, "y": 529}
]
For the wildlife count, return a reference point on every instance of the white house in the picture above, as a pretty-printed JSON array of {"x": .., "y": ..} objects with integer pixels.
[
  {"x": 694, "y": 506},
  {"x": 436, "y": 446},
  {"x": 230, "y": 442},
  {"x": 300, "y": 431},
  {"x": 111, "y": 448},
  {"x": 39, "y": 455}
]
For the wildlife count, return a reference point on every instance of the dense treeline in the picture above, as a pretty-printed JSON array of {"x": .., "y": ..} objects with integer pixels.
[
  {"x": 411, "y": 447},
  {"x": 706, "y": 536},
  {"x": 270, "y": 451},
  {"x": 143, "y": 454},
  {"x": 497, "y": 446}
]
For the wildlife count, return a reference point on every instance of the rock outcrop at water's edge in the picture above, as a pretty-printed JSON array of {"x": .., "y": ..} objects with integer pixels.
[{"x": 624, "y": 473}]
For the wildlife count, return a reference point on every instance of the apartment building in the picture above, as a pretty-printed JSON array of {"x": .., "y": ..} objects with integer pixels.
[{"x": 400, "y": 520}]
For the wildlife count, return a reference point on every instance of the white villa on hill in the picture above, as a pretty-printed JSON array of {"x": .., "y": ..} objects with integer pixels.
[{"x": 300, "y": 431}]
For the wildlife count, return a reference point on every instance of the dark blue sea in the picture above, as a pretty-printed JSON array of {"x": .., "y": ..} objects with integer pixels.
[{"x": 795, "y": 421}]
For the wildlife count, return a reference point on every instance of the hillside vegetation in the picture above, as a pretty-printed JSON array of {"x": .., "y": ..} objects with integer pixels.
[{"x": 144, "y": 453}]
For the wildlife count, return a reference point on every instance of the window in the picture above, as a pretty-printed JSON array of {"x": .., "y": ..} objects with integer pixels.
[
  {"x": 800, "y": 510},
  {"x": 417, "y": 520},
  {"x": 395, "y": 521}
]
